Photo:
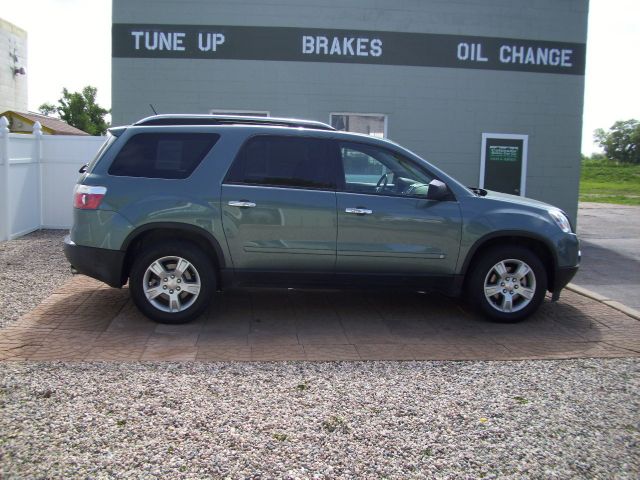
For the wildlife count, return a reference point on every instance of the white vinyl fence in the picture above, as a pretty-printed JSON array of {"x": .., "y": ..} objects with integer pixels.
[{"x": 37, "y": 175}]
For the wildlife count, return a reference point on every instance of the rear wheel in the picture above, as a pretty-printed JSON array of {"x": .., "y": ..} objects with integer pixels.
[
  {"x": 172, "y": 282},
  {"x": 507, "y": 284}
]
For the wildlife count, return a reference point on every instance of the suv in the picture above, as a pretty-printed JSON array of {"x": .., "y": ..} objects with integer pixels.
[{"x": 183, "y": 205}]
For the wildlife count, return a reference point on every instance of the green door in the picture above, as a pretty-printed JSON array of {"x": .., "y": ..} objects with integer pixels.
[
  {"x": 385, "y": 223},
  {"x": 279, "y": 206},
  {"x": 503, "y": 164}
]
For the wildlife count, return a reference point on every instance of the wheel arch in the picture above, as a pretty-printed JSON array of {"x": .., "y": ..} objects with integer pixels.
[
  {"x": 539, "y": 245},
  {"x": 172, "y": 231}
]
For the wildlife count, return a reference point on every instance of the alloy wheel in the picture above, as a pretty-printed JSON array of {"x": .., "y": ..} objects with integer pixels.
[
  {"x": 171, "y": 284},
  {"x": 510, "y": 285}
]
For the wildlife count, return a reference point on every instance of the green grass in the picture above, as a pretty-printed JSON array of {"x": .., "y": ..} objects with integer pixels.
[{"x": 608, "y": 182}]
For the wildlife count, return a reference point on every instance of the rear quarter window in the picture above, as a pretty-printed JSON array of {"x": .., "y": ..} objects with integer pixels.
[{"x": 162, "y": 155}]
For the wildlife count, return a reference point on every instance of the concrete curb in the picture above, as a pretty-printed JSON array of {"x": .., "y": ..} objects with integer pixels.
[{"x": 632, "y": 312}]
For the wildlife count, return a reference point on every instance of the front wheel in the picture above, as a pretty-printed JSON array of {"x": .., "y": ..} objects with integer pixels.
[
  {"x": 172, "y": 282},
  {"x": 508, "y": 283}
]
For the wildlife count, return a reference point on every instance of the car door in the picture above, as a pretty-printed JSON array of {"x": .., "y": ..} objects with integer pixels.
[
  {"x": 279, "y": 207},
  {"x": 386, "y": 225}
]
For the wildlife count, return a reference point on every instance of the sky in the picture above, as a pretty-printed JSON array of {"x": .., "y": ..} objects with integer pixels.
[{"x": 69, "y": 45}]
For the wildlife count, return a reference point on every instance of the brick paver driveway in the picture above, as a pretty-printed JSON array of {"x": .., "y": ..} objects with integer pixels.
[{"x": 85, "y": 320}]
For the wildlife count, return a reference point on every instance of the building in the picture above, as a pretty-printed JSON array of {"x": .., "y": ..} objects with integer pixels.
[
  {"x": 13, "y": 64},
  {"x": 22, "y": 122},
  {"x": 492, "y": 92}
]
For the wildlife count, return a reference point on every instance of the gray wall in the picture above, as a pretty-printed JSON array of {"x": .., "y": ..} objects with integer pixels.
[{"x": 440, "y": 113}]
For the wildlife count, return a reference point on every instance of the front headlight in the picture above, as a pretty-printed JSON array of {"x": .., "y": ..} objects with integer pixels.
[{"x": 561, "y": 220}]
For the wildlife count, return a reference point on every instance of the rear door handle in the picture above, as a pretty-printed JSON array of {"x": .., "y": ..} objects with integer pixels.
[
  {"x": 359, "y": 211},
  {"x": 243, "y": 204}
]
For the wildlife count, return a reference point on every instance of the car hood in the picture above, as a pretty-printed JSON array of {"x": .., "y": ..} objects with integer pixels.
[{"x": 517, "y": 200}]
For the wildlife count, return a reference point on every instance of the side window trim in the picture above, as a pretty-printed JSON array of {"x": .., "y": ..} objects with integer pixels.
[
  {"x": 341, "y": 184},
  {"x": 334, "y": 159}
]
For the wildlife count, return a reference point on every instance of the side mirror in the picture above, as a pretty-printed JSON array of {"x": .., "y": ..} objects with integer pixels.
[{"x": 437, "y": 190}]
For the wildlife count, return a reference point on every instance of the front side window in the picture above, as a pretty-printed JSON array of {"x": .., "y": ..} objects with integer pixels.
[
  {"x": 285, "y": 162},
  {"x": 162, "y": 155},
  {"x": 374, "y": 170}
]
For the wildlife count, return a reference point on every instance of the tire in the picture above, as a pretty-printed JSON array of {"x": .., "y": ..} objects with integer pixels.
[
  {"x": 516, "y": 296},
  {"x": 168, "y": 295}
]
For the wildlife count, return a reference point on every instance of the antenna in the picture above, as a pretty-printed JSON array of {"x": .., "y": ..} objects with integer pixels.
[{"x": 153, "y": 109}]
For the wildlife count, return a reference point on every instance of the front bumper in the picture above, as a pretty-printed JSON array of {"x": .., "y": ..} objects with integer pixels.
[
  {"x": 563, "y": 277},
  {"x": 99, "y": 263}
]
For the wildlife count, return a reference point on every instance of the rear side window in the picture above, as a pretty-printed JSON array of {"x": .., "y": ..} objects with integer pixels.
[
  {"x": 162, "y": 155},
  {"x": 296, "y": 162}
]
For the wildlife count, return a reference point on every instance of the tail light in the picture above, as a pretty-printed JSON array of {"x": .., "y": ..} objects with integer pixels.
[{"x": 88, "y": 197}]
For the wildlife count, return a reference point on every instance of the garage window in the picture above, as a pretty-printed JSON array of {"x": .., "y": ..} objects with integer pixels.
[
  {"x": 373, "y": 124},
  {"x": 240, "y": 113}
]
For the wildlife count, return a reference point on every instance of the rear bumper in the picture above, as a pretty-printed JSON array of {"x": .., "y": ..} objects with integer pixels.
[{"x": 99, "y": 263}]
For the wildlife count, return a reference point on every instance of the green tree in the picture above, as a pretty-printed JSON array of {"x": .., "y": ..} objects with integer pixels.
[
  {"x": 621, "y": 143},
  {"x": 48, "y": 109},
  {"x": 79, "y": 109}
]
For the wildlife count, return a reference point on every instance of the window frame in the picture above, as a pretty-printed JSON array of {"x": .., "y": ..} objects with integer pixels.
[
  {"x": 384, "y": 115},
  {"x": 335, "y": 166}
]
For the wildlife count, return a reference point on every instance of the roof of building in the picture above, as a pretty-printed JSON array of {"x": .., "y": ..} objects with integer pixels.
[
  {"x": 14, "y": 29},
  {"x": 54, "y": 126}
]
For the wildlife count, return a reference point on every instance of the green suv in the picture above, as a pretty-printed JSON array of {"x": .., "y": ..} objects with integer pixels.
[{"x": 183, "y": 205}]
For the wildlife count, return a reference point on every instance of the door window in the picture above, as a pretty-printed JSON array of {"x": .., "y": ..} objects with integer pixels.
[
  {"x": 295, "y": 162},
  {"x": 378, "y": 171}
]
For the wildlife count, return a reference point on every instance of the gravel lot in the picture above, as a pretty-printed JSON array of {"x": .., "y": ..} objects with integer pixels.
[
  {"x": 33, "y": 266},
  {"x": 534, "y": 419},
  {"x": 543, "y": 419}
]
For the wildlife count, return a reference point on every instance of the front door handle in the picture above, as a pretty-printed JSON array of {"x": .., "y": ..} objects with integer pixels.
[
  {"x": 243, "y": 204},
  {"x": 359, "y": 211}
]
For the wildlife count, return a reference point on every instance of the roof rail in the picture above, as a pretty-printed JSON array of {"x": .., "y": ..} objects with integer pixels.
[{"x": 181, "y": 119}]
